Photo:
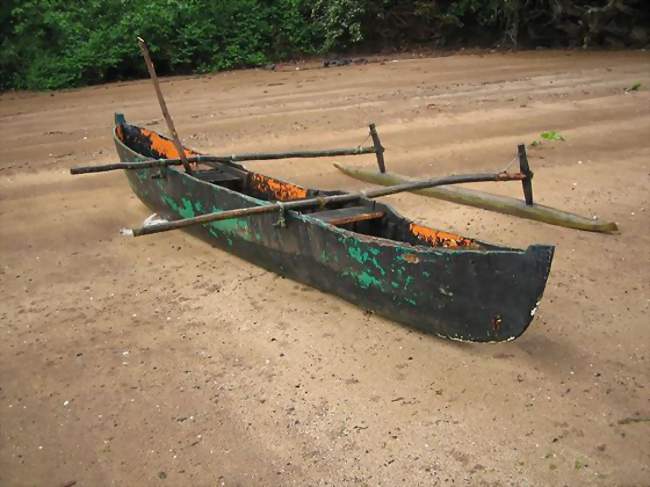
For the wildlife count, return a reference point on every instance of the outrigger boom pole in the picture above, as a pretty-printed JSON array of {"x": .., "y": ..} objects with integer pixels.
[
  {"x": 253, "y": 156},
  {"x": 320, "y": 201}
]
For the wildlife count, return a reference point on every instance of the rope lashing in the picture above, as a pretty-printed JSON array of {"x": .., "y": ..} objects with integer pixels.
[{"x": 282, "y": 222}]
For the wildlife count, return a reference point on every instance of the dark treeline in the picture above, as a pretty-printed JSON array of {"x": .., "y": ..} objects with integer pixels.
[{"x": 59, "y": 43}]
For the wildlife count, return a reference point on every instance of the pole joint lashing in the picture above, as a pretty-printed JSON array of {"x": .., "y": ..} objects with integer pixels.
[{"x": 282, "y": 219}]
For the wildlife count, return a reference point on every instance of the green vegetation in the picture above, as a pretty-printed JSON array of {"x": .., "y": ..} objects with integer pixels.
[
  {"x": 48, "y": 44},
  {"x": 634, "y": 87},
  {"x": 549, "y": 135},
  {"x": 57, "y": 43},
  {"x": 552, "y": 135}
]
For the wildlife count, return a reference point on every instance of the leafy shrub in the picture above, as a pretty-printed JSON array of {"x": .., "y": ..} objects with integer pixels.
[{"x": 57, "y": 43}]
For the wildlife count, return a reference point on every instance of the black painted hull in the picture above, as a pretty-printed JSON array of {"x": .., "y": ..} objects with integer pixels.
[{"x": 461, "y": 294}]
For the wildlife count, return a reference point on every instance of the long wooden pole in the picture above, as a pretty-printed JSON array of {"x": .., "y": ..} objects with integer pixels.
[
  {"x": 163, "y": 106},
  {"x": 489, "y": 201},
  {"x": 321, "y": 201},
  {"x": 253, "y": 156}
]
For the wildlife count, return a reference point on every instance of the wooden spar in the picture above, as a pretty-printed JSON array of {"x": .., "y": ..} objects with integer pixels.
[
  {"x": 260, "y": 156},
  {"x": 163, "y": 106},
  {"x": 320, "y": 201},
  {"x": 266, "y": 156},
  {"x": 488, "y": 201},
  {"x": 129, "y": 165}
]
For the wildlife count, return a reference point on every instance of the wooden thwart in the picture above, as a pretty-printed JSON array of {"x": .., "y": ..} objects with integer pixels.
[
  {"x": 344, "y": 216},
  {"x": 320, "y": 201},
  {"x": 488, "y": 201}
]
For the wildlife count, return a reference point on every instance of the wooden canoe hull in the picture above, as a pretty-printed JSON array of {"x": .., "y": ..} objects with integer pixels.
[{"x": 461, "y": 294}]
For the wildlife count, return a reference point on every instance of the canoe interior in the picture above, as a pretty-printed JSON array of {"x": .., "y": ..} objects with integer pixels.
[{"x": 366, "y": 217}]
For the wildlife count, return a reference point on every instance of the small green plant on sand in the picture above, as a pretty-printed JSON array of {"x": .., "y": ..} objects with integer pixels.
[
  {"x": 548, "y": 135},
  {"x": 552, "y": 135},
  {"x": 634, "y": 87}
]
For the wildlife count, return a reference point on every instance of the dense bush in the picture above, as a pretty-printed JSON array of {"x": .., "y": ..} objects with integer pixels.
[
  {"x": 530, "y": 23},
  {"x": 59, "y": 43}
]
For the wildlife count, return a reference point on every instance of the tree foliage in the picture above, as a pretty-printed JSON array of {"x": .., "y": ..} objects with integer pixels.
[{"x": 57, "y": 43}]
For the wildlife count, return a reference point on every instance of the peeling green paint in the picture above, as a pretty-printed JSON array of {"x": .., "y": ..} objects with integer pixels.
[
  {"x": 187, "y": 211},
  {"x": 364, "y": 279},
  {"x": 237, "y": 226},
  {"x": 363, "y": 257},
  {"x": 169, "y": 201}
]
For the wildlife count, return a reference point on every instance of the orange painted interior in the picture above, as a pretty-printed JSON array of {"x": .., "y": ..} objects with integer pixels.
[
  {"x": 280, "y": 190},
  {"x": 438, "y": 238},
  {"x": 163, "y": 146}
]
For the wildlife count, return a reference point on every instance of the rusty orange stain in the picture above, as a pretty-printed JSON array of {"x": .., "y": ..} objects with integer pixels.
[
  {"x": 280, "y": 190},
  {"x": 411, "y": 258},
  {"x": 496, "y": 323},
  {"x": 120, "y": 132},
  {"x": 163, "y": 146},
  {"x": 437, "y": 238}
]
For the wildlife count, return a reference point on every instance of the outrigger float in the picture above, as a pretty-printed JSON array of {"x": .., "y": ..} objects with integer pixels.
[{"x": 346, "y": 244}]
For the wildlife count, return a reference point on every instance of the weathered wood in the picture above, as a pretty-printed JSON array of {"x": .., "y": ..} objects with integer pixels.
[
  {"x": 488, "y": 201},
  {"x": 259, "y": 156},
  {"x": 163, "y": 106},
  {"x": 524, "y": 168},
  {"x": 344, "y": 216},
  {"x": 320, "y": 201},
  {"x": 127, "y": 165},
  {"x": 306, "y": 154},
  {"x": 217, "y": 176},
  {"x": 379, "y": 149}
]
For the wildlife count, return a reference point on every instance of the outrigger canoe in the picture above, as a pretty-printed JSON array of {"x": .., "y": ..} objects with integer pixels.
[{"x": 449, "y": 285}]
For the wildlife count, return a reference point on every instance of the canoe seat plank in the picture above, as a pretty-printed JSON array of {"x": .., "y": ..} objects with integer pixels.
[
  {"x": 215, "y": 176},
  {"x": 344, "y": 216}
]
